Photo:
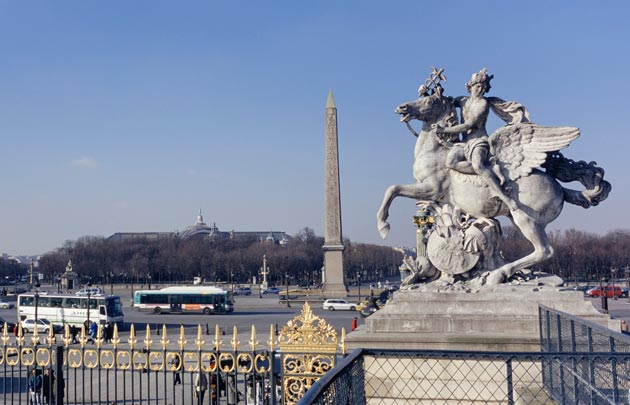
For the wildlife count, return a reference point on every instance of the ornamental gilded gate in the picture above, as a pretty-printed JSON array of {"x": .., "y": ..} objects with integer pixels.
[{"x": 158, "y": 369}]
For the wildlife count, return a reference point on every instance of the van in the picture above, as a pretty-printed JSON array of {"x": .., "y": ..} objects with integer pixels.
[{"x": 90, "y": 291}]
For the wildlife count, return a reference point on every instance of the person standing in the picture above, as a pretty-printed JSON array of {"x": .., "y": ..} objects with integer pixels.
[
  {"x": 176, "y": 376},
  {"x": 201, "y": 385},
  {"x": 35, "y": 387},
  {"x": 48, "y": 385}
]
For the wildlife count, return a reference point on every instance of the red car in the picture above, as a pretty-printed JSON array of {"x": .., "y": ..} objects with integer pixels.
[{"x": 607, "y": 291}]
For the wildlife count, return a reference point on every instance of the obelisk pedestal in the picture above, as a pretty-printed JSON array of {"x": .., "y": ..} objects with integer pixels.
[{"x": 333, "y": 285}]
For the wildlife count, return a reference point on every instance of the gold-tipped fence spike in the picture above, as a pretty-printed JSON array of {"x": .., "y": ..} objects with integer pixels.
[
  {"x": 252, "y": 341},
  {"x": 199, "y": 341},
  {"x": 51, "y": 340},
  {"x": 164, "y": 339},
  {"x": 217, "y": 340},
  {"x": 272, "y": 338},
  {"x": 5, "y": 334},
  {"x": 147, "y": 338},
  {"x": 83, "y": 337},
  {"x": 115, "y": 338},
  {"x": 20, "y": 338},
  {"x": 132, "y": 337},
  {"x": 343, "y": 341},
  {"x": 182, "y": 338},
  {"x": 67, "y": 338},
  {"x": 235, "y": 342},
  {"x": 35, "y": 337},
  {"x": 99, "y": 336}
]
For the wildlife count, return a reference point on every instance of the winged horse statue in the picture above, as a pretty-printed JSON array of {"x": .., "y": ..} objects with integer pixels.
[{"x": 523, "y": 156}]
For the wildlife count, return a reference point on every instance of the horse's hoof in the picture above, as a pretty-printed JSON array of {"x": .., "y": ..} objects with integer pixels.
[
  {"x": 383, "y": 229},
  {"x": 495, "y": 278}
]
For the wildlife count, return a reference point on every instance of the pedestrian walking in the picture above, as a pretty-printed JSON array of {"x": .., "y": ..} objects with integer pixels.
[
  {"x": 201, "y": 385},
  {"x": 177, "y": 379}
]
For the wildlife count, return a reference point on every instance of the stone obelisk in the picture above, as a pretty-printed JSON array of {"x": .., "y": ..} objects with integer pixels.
[{"x": 333, "y": 285}]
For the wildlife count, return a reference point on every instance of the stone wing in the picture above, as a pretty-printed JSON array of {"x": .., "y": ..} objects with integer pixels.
[{"x": 520, "y": 148}]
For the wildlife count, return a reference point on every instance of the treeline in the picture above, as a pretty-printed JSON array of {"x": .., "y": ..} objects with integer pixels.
[
  {"x": 578, "y": 255},
  {"x": 174, "y": 260}
]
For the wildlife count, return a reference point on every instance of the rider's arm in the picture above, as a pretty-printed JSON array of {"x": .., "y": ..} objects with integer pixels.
[{"x": 474, "y": 120}]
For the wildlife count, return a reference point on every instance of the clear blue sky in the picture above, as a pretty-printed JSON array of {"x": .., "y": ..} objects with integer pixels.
[{"x": 132, "y": 115}]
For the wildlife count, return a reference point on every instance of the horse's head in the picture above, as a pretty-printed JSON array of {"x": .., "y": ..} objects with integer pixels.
[{"x": 429, "y": 109}]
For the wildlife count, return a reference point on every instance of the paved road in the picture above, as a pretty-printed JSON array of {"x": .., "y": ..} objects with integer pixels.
[{"x": 249, "y": 310}]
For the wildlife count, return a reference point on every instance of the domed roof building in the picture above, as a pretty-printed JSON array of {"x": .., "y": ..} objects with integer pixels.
[
  {"x": 208, "y": 232},
  {"x": 201, "y": 229}
]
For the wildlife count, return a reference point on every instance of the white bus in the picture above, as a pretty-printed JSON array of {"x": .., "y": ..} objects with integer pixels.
[
  {"x": 204, "y": 299},
  {"x": 60, "y": 309}
]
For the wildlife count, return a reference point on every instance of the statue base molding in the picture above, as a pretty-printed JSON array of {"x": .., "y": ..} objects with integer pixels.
[{"x": 499, "y": 318}]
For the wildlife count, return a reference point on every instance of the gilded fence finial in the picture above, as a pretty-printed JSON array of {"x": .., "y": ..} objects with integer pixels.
[
  {"x": 132, "y": 337},
  {"x": 20, "y": 336},
  {"x": 199, "y": 341},
  {"x": 5, "y": 334},
  {"x": 83, "y": 337},
  {"x": 67, "y": 338},
  {"x": 217, "y": 340},
  {"x": 115, "y": 338},
  {"x": 99, "y": 336},
  {"x": 343, "y": 341},
  {"x": 182, "y": 338},
  {"x": 235, "y": 342},
  {"x": 51, "y": 340},
  {"x": 164, "y": 339},
  {"x": 252, "y": 341},
  {"x": 272, "y": 338},
  {"x": 35, "y": 337},
  {"x": 147, "y": 339}
]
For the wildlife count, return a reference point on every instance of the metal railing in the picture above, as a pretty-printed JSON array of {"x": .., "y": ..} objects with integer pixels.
[
  {"x": 580, "y": 363},
  {"x": 155, "y": 368},
  {"x": 454, "y": 377},
  {"x": 575, "y": 380}
]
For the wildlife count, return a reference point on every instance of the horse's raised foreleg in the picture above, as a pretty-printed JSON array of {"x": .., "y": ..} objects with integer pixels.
[
  {"x": 535, "y": 233},
  {"x": 418, "y": 191}
]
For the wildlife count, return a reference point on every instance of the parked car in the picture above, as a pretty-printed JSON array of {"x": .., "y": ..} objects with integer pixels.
[
  {"x": 243, "y": 291},
  {"x": 624, "y": 292},
  {"x": 6, "y": 305},
  {"x": 339, "y": 305},
  {"x": 607, "y": 291},
  {"x": 271, "y": 290},
  {"x": 10, "y": 325},
  {"x": 91, "y": 291},
  {"x": 43, "y": 325}
]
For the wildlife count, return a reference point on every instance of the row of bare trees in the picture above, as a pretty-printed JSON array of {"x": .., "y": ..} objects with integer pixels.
[{"x": 578, "y": 255}]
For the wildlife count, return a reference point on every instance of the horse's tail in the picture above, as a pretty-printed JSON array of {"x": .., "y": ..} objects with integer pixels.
[{"x": 589, "y": 174}]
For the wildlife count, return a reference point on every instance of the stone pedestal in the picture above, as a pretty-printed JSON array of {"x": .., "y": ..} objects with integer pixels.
[{"x": 502, "y": 318}]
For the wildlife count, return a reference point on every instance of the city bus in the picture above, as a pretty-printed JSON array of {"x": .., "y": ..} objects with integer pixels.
[
  {"x": 205, "y": 299},
  {"x": 60, "y": 309}
]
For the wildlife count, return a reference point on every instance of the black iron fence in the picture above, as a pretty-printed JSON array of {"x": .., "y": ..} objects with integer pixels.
[
  {"x": 455, "y": 377},
  {"x": 580, "y": 363},
  {"x": 155, "y": 368},
  {"x": 580, "y": 381}
]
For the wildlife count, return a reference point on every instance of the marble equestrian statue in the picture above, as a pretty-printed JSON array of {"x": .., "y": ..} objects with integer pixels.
[{"x": 467, "y": 179}]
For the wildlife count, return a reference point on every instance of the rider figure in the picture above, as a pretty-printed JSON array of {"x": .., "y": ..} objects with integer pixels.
[{"x": 473, "y": 158}]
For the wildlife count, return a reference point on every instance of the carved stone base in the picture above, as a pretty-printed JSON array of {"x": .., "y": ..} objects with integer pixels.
[{"x": 501, "y": 318}]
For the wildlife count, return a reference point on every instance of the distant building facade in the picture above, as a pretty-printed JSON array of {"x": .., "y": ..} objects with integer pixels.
[{"x": 208, "y": 232}]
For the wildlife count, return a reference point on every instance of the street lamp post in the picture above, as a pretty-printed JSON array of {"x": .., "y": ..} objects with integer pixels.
[
  {"x": 37, "y": 285},
  {"x": 359, "y": 283},
  {"x": 88, "y": 303},
  {"x": 613, "y": 270},
  {"x": 602, "y": 284},
  {"x": 111, "y": 283},
  {"x": 232, "y": 282},
  {"x": 286, "y": 275}
]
